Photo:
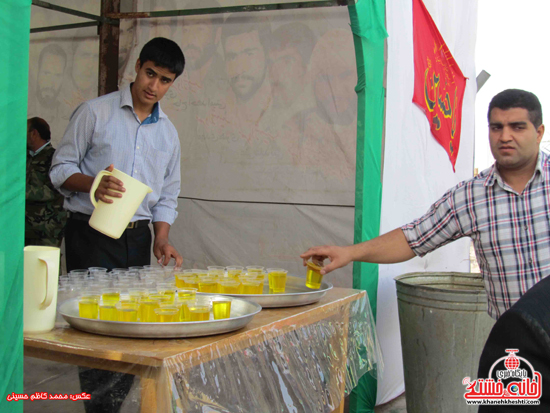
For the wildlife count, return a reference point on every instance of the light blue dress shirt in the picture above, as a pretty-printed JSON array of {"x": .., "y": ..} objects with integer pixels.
[{"x": 105, "y": 131}]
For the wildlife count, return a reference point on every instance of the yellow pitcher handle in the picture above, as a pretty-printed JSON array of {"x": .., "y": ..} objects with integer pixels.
[
  {"x": 51, "y": 286},
  {"x": 95, "y": 184}
]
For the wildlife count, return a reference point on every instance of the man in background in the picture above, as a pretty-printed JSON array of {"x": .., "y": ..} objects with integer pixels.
[{"x": 44, "y": 214}]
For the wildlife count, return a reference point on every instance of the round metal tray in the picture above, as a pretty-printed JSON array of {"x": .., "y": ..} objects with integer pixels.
[
  {"x": 242, "y": 312},
  {"x": 296, "y": 294}
]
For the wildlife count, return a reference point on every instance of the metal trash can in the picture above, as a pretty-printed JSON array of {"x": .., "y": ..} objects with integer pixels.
[{"x": 444, "y": 325}]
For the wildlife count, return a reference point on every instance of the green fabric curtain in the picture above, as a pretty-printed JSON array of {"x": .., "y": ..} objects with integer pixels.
[
  {"x": 369, "y": 33},
  {"x": 14, "y": 65}
]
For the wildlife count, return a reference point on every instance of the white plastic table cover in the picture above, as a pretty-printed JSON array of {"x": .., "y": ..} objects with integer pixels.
[{"x": 296, "y": 359}]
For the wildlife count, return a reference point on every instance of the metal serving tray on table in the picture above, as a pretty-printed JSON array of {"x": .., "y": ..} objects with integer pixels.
[
  {"x": 242, "y": 312},
  {"x": 296, "y": 294}
]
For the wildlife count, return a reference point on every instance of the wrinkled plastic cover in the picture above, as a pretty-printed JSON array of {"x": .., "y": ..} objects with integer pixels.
[
  {"x": 284, "y": 366},
  {"x": 284, "y": 369}
]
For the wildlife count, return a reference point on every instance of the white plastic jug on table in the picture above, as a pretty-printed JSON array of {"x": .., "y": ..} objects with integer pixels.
[
  {"x": 41, "y": 273},
  {"x": 112, "y": 219}
]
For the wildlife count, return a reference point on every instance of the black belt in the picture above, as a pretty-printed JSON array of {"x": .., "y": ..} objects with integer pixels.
[{"x": 83, "y": 217}]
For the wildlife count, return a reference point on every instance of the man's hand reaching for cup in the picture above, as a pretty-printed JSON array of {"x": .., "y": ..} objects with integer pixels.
[{"x": 338, "y": 256}]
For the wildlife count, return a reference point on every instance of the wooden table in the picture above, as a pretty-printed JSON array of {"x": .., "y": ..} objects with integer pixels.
[{"x": 151, "y": 358}]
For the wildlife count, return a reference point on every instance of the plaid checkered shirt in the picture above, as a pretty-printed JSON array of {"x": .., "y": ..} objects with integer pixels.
[{"x": 511, "y": 231}]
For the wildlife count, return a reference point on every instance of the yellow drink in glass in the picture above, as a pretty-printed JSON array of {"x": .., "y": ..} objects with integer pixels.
[
  {"x": 221, "y": 309},
  {"x": 135, "y": 294},
  {"x": 179, "y": 279},
  {"x": 199, "y": 309},
  {"x": 216, "y": 271},
  {"x": 208, "y": 285},
  {"x": 147, "y": 310},
  {"x": 313, "y": 277},
  {"x": 234, "y": 271},
  {"x": 171, "y": 294},
  {"x": 91, "y": 296},
  {"x": 187, "y": 293},
  {"x": 127, "y": 314},
  {"x": 110, "y": 295},
  {"x": 277, "y": 280},
  {"x": 256, "y": 271},
  {"x": 167, "y": 315},
  {"x": 185, "y": 315},
  {"x": 88, "y": 308},
  {"x": 190, "y": 282},
  {"x": 161, "y": 298},
  {"x": 108, "y": 312},
  {"x": 251, "y": 287},
  {"x": 230, "y": 286},
  {"x": 199, "y": 313}
]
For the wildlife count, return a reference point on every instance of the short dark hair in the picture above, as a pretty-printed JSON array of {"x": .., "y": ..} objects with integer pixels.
[
  {"x": 55, "y": 50},
  {"x": 164, "y": 53},
  {"x": 517, "y": 98},
  {"x": 236, "y": 24},
  {"x": 41, "y": 126},
  {"x": 297, "y": 35}
]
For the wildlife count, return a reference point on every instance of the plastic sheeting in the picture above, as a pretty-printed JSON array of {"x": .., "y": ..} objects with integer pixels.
[
  {"x": 299, "y": 359},
  {"x": 14, "y": 42}
]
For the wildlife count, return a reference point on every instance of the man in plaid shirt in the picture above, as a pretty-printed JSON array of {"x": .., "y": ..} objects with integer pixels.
[{"x": 505, "y": 210}]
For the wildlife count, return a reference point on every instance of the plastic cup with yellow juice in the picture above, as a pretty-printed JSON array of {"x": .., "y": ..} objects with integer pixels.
[
  {"x": 178, "y": 279},
  {"x": 251, "y": 285},
  {"x": 108, "y": 312},
  {"x": 221, "y": 309},
  {"x": 167, "y": 314},
  {"x": 135, "y": 294},
  {"x": 187, "y": 293},
  {"x": 255, "y": 270},
  {"x": 167, "y": 290},
  {"x": 208, "y": 285},
  {"x": 199, "y": 309},
  {"x": 313, "y": 276},
  {"x": 216, "y": 271},
  {"x": 127, "y": 311},
  {"x": 229, "y": 286},
  {"x": 146, "y": 312},
  {"x": 110, "y": 295},
  {"x": 233, "y": 271},
  {"x": 277, "y": 280},
  {"x": 184, "y": 309},
  {"x": 189, "y": 281},
  {"x": 88, "y": 308}
]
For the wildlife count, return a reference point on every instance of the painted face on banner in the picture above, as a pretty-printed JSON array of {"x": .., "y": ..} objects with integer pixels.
[
  {"x": 50, "y": 78},
  {"x": 245, "y": 63},
  {"x": 85, "y": 66},
  {"x": 286, "y": 74},
  {"x": 199, "y": 41}
]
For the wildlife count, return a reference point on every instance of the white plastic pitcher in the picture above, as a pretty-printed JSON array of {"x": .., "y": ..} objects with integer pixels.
[
  {"x": 112, "y": 219},
  {"x": 40, "y": 288}
]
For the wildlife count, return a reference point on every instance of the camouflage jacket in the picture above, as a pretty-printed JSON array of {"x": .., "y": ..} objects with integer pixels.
[{"x": 44, "y": 214}]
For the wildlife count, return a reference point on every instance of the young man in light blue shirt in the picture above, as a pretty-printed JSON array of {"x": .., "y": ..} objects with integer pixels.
[{"x": 127, "y": 130}]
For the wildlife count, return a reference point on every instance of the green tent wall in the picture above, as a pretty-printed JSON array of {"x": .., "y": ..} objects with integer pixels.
[
  {"x": 369, "y": 33},
  {"x": 14, "y": 43}
]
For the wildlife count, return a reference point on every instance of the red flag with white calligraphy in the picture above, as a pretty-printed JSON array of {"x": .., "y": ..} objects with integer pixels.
[{"x": 438, "y": 82}]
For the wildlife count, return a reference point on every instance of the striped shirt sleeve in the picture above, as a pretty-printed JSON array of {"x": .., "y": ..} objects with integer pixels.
[{"x": 438, "y": 227}]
